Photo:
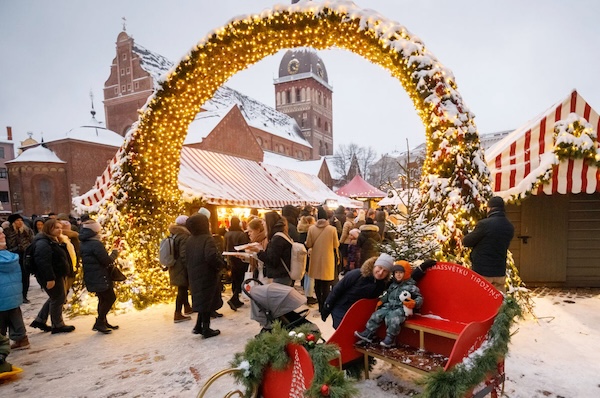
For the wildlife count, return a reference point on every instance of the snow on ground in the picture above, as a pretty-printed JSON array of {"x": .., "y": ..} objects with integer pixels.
[{"x": 151, "y": 356}]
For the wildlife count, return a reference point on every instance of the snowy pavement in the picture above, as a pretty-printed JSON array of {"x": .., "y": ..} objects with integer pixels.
[{"x": 149, "y": 355}]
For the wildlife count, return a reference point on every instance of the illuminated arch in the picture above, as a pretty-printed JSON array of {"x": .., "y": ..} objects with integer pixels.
[{"x": 145, "y": 189}]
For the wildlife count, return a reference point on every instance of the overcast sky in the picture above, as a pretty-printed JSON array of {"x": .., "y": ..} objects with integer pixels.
[{"x": 512, "y": 59}]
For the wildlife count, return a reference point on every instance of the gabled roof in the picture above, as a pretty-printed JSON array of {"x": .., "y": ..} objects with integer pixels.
[
  {"x": 39, "y": 154},
  {"x": 523, "y": 156},
  {"x": 312, "y": 167},
  {"x": 257, "y": 114},
  {"x": 204, "y": 123},
  {"x": 153, "y": 63},
  {"x": 359, "y": 188}
]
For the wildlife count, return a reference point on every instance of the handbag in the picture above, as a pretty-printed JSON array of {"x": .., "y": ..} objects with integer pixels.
[{"x": 116, "y": 275}]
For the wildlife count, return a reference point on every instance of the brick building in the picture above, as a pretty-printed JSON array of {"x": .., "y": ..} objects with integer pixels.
[
  {"x": 7, "y": 153},
  {"x": 230, "y": 123}
]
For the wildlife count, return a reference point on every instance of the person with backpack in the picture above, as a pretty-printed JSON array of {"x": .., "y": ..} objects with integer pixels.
[
  {"x": 178, "y": 275},
  {"x": 236, "y": 237},
  {"x": 97, "y": 264},
  {"x": 323, "y": 241},
  {"x": 51, "y": 264}
]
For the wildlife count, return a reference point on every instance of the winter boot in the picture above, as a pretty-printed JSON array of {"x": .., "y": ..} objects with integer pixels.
[
  {"x": 365, "y": 335},
  {"x": 114, "y": 327},
  {"x": 388, "y": 342},
  {"x": 187, "y": 309},
  {"x": 232, "y": 305},
  {"x": 215, "y": 314},
  {"x": 22, "y": 344},
  {"x": 207, "y": 332},
  {"x": 100, "y": 326},
  {"x": 180, "y": 318}
]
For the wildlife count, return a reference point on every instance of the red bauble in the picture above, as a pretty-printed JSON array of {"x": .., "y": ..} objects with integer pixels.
[
  {"x": 325, "y": 390},
  {"x": 310, "y": 337}
]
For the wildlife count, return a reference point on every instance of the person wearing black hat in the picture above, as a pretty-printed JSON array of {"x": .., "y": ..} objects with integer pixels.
[
  {"x": 18, "y": 237},
  {"x": 490, "y": 240}
]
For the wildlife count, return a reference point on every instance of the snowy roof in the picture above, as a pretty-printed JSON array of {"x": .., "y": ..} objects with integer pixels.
[
  {"x": 309, "y": 187},
  {"x": 94, "y": 132},
  {"x": 306, "y": 166},
  {"x": 257, "y": 114},
  {"x": 227, "y": 180},
  {"x": 522, "y": 157},
  {"x": 37, "y": 154},
  {"x": 204, "y": 123},
  {"x": 153, "y": 63}
]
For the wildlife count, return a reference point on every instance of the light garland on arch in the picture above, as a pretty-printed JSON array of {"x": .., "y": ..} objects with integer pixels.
[{"x": 146, "y": 193}]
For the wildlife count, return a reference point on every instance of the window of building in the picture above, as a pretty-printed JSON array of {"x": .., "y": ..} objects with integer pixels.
[
  {"x": 137, "y": 85},
  {"x": 288, "y": 97},
  {"x": 259, "y": 140},
  {"x": 1, "y": 152},
  {"x": 123, "y": 88},
  {"x": 3, "y": 173},
  {"x": 124, "y": 56},
  {"x": 116, "y": 90},
  {"x": 298, "y": 97},
  {"x": 326, "y": 127},
  {"x": 319, "y": 122},
  {"x": 122, "y": 71},
  {"x": 129, "y": 87},
  {"x": 127, "y": 70},
  {"x": 4, "y": 196}
]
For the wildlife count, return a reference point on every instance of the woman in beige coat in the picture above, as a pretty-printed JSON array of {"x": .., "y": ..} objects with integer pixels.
[{"x": 323, "y": 240}]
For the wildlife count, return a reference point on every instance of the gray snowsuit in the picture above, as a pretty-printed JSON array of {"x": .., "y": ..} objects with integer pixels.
[{"x": 392, "y": 309}]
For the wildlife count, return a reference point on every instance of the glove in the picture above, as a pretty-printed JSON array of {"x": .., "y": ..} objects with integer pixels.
[
  {"x": 410, "y": 303},
  {"x": 325, "y": 312},
  {"x": 428, "y": 264}
]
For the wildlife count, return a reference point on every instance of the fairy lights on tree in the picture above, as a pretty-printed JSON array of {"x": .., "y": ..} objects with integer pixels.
[{"x": 145, "y": 196}]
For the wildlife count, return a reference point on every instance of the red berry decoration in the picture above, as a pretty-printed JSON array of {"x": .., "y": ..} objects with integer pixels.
[
  {"x": 325, "y": 390},
  {"x": 310, "y": 337}
]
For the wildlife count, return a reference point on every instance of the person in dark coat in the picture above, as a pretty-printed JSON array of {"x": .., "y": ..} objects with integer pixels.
[
  {"x": 52, "y": 263},
  {"x": 96, "y": 272},
  {"x": 290, "y": 213},
  {"x": 490, "y": 240},
  {"x": 368, "y": 239},
  {"x": 236, "y": 237},
  {"x": 278, "y": 249},
  {"x": 178, "y": 275},
  {"x": 204, "y": 265},
  {"x": 370, "y": 281},
  {"x": 18, "y": 237}
]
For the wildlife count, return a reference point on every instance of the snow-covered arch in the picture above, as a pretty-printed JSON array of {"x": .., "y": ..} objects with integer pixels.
[{"x": 144, "y": 195}]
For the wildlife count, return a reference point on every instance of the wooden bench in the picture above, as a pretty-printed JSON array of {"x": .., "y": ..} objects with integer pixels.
[{"x": 458, "y": 310}]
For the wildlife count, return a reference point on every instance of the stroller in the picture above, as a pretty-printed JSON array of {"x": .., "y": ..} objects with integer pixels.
[{"x": 275, "y": 301}]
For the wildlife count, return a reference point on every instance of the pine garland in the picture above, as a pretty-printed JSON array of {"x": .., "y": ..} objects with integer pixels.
[
  {"x": 459, "y": 380},
  {"x": 268, "y": 349}
]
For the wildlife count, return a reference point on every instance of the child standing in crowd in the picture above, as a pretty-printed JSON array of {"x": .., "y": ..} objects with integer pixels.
[{"x": 396, "y": 306}]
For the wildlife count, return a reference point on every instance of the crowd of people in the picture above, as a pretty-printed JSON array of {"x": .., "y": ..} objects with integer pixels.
[{"x": 344, "y": 264}]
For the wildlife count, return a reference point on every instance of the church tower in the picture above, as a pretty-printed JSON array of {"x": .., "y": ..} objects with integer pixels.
[
  {"x": 302, "y": 91},
  {"x": 133, "y": 76}
]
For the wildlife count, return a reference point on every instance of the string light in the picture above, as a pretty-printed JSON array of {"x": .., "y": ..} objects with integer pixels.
[{"x": 145, "y": 190}]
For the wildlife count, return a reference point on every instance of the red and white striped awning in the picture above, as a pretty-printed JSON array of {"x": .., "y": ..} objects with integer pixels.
[
  {"x": 100, "y": 192},
  {"x": 227, "y": 180},
  {"x": 518, "y": 160}
]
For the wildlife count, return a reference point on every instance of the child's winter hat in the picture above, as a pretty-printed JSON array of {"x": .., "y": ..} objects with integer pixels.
[
  {"x": 354, "y": 232},
  {"x": 402, "y": 265},
  {"x": 181, "y": 220},
  {"x": 385, "y": 261}
]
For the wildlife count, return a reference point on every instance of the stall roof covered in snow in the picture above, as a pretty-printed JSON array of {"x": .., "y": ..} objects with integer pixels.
[
  {"x": 37, "y": 154},
  {"x": 526, "y": 154},
  {"x": 307, "y": 186},
  {"x": 312, "y": 167},
  {"x": 227, "y": 180}
]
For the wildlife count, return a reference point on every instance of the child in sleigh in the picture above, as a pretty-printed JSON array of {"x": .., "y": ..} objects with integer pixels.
[{"x": 397, "y": 304}]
